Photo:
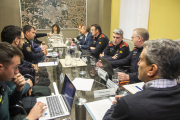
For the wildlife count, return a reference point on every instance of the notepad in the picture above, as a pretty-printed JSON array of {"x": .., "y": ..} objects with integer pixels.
[
  {"x": 97, "y": 109},
  {"x": 47, "y": 64},
  {"x": 134, "y": 88}
]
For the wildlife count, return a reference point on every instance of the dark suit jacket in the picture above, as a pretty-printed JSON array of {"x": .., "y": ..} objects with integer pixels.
[{"x": 85, "y": 44}]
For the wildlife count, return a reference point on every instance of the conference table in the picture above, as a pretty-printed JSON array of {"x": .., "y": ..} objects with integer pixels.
[{"x": 84, "y": 70}]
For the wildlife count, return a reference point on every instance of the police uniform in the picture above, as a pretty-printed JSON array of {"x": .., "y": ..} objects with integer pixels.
[
  {"x": 132, "y": 59},
  {"x": 99, "y": 42},
  {"x": 29, "y": 55},
  {"x": 25, "y": 68},
  {"x": 122, "y": 50},
  {"x": 7, "y": 98}
]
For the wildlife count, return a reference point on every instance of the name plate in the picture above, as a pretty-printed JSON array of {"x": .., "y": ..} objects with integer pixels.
[
  {"x": 102, "y": 74},
  {"x": 84, "y": 59},
  {"x": 104, "y": 93},
  {"x": 111, "y": 84}
]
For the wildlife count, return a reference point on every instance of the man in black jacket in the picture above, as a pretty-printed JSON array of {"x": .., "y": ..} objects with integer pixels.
[
  {"x": 159, "y": 67},
  {"x": 99, "y": 41},
  {"x": 118, "y": 49}
]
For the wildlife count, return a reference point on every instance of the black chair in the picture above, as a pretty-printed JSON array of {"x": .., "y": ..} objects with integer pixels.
[{"x": 17, "y": 109}]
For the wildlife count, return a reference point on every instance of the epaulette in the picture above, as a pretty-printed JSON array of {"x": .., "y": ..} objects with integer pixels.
[
  {"x": 110, "y": 44},
  {"x": 123, "y": 44},
  {"x": 101, "y": 36}
]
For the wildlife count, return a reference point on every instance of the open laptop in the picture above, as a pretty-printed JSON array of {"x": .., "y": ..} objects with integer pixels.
[
  {"x": 107, "y": 66},
  {"x": 59, "y": 105}
]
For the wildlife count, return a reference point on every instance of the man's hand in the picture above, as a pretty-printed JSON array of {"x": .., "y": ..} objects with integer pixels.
[
  {"x": 19, "y": 81},
  {"x": 29, "y": 82},
  {"x": 92, "y": 48},
  {"x": 99, "y": 64},
  {"x": 73, "y": 44},
  {"x": 45, "y": 51},
  {"x": 43, "y": 42},
  {"x": 70, "y": 40},
  {"x": 35, "y": 66},
  {"x": 122, "y": 76},
  {"x": 101, "y": 55},
  {"x": 29, "y": 92},
  {"x": 117, "y": 97},
  {"x": 36, "y": 111},
  {"x": 115, "y": 56}
]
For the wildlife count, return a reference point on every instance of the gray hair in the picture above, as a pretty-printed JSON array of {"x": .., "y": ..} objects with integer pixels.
[
  {"x": 118, "y": 31},
  {"x": 177, "y": 40},
  {"x": 165, "y": 53}
]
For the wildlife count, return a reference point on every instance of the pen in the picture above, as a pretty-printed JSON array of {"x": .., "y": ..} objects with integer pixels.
[
  {"x": 124, "y": 82},
  {"x": 54, "y": 62},
  {"x": 138, "y": 88}
]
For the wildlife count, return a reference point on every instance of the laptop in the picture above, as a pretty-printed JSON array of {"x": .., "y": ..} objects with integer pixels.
[
  {"x": 107, "y": 66},
  {"x": 59, "y": 105}
]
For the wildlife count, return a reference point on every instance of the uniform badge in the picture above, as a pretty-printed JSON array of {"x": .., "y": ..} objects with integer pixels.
[
  {"x": 99, "y": 42},
  {"x": 110, "y": 50},
  {"x": 28, "y": 49},
  {"x": 120, "y": 52}
]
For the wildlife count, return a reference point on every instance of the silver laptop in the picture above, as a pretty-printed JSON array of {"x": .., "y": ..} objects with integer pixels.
[{"x": 59, "y": 105}]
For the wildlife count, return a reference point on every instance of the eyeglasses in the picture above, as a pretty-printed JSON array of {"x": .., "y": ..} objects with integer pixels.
[
  {"x": 22, "y": 39},
  {"x": 134, "y": 37}
]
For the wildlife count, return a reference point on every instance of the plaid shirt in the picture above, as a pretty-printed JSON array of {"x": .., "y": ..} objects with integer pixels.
[{"x": 161, "y": 83}]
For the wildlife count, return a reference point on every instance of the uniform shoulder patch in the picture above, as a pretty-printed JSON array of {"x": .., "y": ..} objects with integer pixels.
[
  {"x": 101, "y": 36},
  {"x": 28, "y": 49},
  {"x": 110, "y": 44},
  {"x": 123, "y": 44}
]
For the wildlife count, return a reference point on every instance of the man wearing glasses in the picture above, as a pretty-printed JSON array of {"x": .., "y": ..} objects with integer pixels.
[{"x": 140, "y": 35}]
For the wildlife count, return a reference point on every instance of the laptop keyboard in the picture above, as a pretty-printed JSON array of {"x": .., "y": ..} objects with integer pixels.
[{"x": 54, "y": 106}]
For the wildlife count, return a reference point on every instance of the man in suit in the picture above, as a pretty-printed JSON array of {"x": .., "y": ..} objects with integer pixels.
[
  {"x": 159, "y": 67},
  {"x": 87, "y": 37}
]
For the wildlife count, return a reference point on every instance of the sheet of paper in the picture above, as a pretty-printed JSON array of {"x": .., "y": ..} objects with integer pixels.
[
  {"x": 83, "y": 84},
  {"x": 52, "y": 54},
  {"x": 134, "y": 88},
  {"x": 50, "y": 49},
  {"x": 112, "y": 98},
  {"x": 97, "y": 109},
  {"x": 47, "y": 64}
]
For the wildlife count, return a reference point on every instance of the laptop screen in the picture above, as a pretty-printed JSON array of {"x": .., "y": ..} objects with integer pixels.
[{"x": 68, "y": 91}]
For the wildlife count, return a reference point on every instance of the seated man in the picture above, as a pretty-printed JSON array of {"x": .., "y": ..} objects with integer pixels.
[
  {"x": 87, "y": 37},
  {"x": 8, "y": 71},
  {"x": 15, "y": 36},
  {"x": 159, "y": 67},
  {"x": 29, "y": 54},
  {"x": 99, "y": 41},
  {"x": 118, "y": 49},
  {"x": 140, "y": 35},
  {"x": 78, "y": 38}
]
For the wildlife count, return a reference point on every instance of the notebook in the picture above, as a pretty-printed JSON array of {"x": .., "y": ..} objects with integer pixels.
[{"x": 59, "y": 105}]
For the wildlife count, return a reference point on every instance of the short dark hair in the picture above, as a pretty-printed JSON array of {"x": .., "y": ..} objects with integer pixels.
[
  {"x": 58, "y": 28},
  {"x": 10, "y": 32},
  {"x": 86, "y": 28},
  {"x": 165, "y": 53},
  {"x": 7, "y": 52},
  {"x": 97, "y": 27},
  {"x": 27, "y": 28}
]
